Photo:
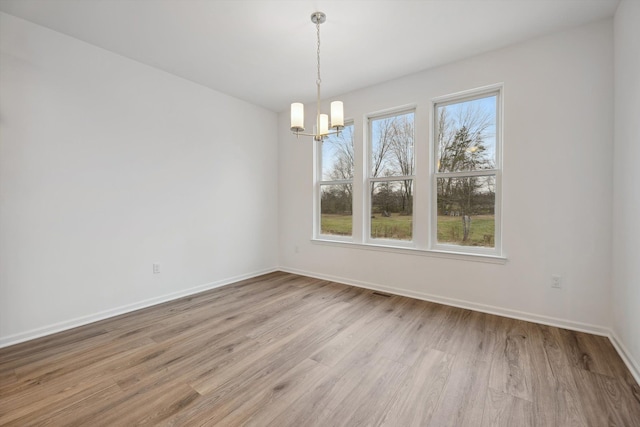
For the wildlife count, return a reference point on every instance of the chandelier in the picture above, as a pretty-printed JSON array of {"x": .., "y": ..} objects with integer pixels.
[{"x": 321, "y": 130}]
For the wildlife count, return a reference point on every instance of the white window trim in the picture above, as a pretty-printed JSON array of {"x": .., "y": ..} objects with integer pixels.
[
  {"x": 463, "y": 256},
  {"x": 317, "y": 203},
  {"x": 424, "y": 237},
  {"x": 469, "y": 95},
  {"x": 368, "y": 180}
]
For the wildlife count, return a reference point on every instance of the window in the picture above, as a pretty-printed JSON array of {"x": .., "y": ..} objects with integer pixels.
[
  {"x": 391, "y": 175},
  {"x": 466, "y": 176},
  {"x": 336, "y": 170},
  {"x": 383, "y": 183}
]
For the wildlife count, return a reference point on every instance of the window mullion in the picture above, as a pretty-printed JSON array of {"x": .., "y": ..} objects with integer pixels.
[
  {"x": 393, "y": 178},
  {"x": 482, "y": 172},
  {"x": 337, "y": 182}
]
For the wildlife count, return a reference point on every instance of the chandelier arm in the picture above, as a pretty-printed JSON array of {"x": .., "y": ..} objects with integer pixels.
[{"x": 337, "y": 131}]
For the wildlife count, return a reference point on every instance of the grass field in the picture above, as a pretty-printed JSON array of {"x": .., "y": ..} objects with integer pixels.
[
  {"x": 339, "y": 225},
  {"x": 399, "y": 227},
  {"x": 482, "y": 230}
]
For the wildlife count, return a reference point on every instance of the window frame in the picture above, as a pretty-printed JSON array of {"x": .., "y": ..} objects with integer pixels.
[
  {"x": 456, "y": 98},
  {"x": 319, "y": 182},
  {"x": 369, "y": 180},
  {"x": 424, "y": 178}
]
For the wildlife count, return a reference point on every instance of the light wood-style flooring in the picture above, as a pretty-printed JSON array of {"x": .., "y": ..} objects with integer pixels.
[{"x": 286, "y": 350}]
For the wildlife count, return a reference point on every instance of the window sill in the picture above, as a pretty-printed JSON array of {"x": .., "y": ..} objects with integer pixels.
[{"x": 491, "y": 259}]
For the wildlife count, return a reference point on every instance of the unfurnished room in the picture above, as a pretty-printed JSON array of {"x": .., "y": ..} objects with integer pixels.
[{"x": 320, "y": 213}]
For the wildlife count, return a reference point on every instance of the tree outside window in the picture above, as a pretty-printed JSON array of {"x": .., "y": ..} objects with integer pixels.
[
  {"x": 336, "y": 184},
  {"x": 391, "y": 176},
  {"x": 466, "y": 171}
]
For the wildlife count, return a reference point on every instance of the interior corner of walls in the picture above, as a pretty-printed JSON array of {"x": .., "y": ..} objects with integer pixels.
[{"x": 625, "y": 355}]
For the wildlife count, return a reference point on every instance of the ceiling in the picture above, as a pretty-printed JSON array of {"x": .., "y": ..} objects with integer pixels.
[{"x": 263, "y": 51}]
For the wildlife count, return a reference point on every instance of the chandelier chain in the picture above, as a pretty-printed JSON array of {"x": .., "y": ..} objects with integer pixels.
[{"x": 318, "y": 81}]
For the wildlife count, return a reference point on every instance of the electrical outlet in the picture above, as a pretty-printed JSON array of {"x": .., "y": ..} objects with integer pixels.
[
  {"x": 556, "y": 281},
  {"x": 156, "y": 268}
]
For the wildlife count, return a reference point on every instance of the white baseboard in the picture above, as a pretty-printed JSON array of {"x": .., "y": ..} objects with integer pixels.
[
  {"x": 500, "y": 311},
  {"x": 84, "y": 320},
  {"x": 625, "y": 355}
]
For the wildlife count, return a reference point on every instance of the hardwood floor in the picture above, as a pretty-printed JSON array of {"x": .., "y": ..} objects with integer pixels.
[{"x": 285, "y": 350}]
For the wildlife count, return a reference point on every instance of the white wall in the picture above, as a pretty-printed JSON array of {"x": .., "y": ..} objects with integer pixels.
[
  {"x": 108, "y": 165},
  {"x": 626, "y": 201},
  {"x": 558, "y": 99}
]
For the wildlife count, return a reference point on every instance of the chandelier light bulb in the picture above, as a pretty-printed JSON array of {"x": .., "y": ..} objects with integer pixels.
[
  {"x": 324, "y": 125},
  {"x": 297, "y": 117},
  {"x": 337, "y": 115}
]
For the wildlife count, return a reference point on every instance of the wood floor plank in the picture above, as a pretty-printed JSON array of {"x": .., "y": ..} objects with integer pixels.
[
  {"x": 463, "y": 398},
  {"x": 608, "y": 405},
  {"x": 450, "y": 329},
  {"x": 230, "y": 387},
  {"x": 376, "y": 385},
  {"x": 54, "y": 389},
  {"x": 266, "y": 400},
  {"x": 552, "y": 371},
  {"x": 307, "y": 409},
  {"x": 188, "y": 368},
  {"x": 511, "y": 371},
  {"x": 589, "y": 352},
  {"x": 419, "y": 392},
  {"x": 361, "y": 305},
  {"x": 8, "y": 377},
  {"x": 313, "y": 407},
  {"x": 71, "y": 341},
  {"x": 144, "y": 406},
  {"x": 270, "y": 353},
  {"x": 504, "y": 410},
  {"x": 41, "y": 380},
  {"x": 410, "y": 336},
  {"x": 357, "y": 389},
  {"x": 39, "y": 407},
  {"x": 349, "y": 338},
  {"x": 287, "y": 350}
]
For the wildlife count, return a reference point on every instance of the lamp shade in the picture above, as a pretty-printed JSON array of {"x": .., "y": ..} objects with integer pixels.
[
  {"x": 297, "y": 117},
  {"x": 324, "y": 124},
  {"x": 337, "y": 115}
]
